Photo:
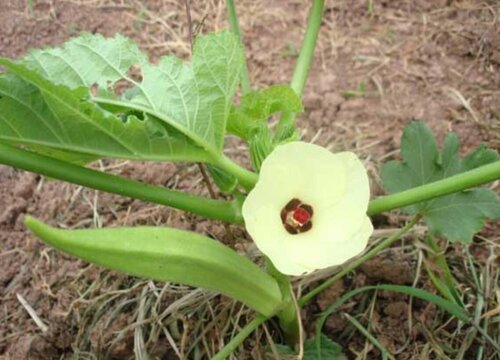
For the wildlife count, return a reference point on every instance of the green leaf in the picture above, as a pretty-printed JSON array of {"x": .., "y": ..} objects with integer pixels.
[
  {"x": 64, "y": 155},
  {"x": 194, "y": 98},
  {"x": 169, "y": 255},
  {"x": 457, "y": 216},
  {"x": 61, "y": 122},
  {"x": 249, "y": 120},
  {"x": 257, "y": 106},
  {"x": 87, "y": 60},
  {"x": 443, "y": 280},
  {"x": 329, "y": 350},
  {"x": 191, "y": 101}
]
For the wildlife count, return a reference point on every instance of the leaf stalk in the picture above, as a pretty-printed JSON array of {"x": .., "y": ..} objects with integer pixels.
[
  {"x": 459, "y": 182},
  {"x": 229, "y": 211}
]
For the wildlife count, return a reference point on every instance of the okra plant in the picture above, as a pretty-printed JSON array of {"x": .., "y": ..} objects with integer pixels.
[{"x": 305, "y": 207}]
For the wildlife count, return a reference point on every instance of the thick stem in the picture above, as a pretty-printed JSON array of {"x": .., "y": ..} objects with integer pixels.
[
  {"x": 289, "y": 324},
  {"x": 304, "y": 61},
  {"x": 459, "y": 182},
  {"x": 229, "y": 211},
  {"x": 235, "y": 27},
  {"x": 288, "y": 316}
]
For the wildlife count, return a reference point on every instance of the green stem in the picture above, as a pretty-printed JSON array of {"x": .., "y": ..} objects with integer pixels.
[
  {"x": 229, "y": 211},
  {"x": 246, "y": 178},
  {"x": 235, "y": 27},
  {"x": 354, "y": 264},
  {"x": 459, "y": 182},
  {"x": 304, "y": 61},
  {"x": 308, "y": 45},
  {"x": 288, "y": 315}
]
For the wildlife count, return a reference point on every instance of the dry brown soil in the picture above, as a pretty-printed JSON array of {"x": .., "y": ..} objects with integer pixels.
[{"x": 435, "y": 60}]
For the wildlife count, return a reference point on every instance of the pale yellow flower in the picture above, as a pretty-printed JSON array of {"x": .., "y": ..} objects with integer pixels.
[{"x": 308, "y": 209}]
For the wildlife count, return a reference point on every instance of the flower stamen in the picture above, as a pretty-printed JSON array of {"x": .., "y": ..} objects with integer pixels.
[{"x": 296, "y": 217}]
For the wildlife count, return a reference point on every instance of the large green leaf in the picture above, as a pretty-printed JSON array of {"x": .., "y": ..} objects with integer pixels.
[
  {"x": 167, "y": 254},
  {"x": 457, "y": 216},
  {"x": 194, "y": 98},
  {"x": 87, "y": 60},
  {"x": 174, "y": 112},
  {"x": 54, "y": 119}
]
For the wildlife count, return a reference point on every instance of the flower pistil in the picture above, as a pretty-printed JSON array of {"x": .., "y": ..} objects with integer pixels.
[{"x": 297, "y": 216}]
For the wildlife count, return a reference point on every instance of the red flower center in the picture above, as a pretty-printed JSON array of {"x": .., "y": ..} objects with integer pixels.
[
  {"x": 296, "y": 217},
  {"x": 301, "y": 216}
]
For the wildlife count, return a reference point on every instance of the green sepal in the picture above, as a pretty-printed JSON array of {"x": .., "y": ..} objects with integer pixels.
[
  {"x": 260, "y": 146},
  {"x": 226, "y": 182}
]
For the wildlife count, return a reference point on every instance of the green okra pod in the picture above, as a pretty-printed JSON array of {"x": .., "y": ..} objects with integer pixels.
[{"x": 167, "y": 254}]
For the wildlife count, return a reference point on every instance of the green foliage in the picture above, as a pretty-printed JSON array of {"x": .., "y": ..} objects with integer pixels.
[
  {"x": 195, "y": 98},
  {"x": 177, "y": 112},
  {"x": 261, "y": 145},
  {"x": 450, "y": 307},
  {"x": 87, "y": 60},
  {"x": 169, "y": 255},
  {"x": 225, "y": 181},
  {"x": 329, "y": 350},
  {"x": 457, "y": 216},
  {"x": 257, "y": 106},
  {"x": 249, "y": 120},
  {"x": 60, "y": 122},
  {"x": 440, "y": 273}
]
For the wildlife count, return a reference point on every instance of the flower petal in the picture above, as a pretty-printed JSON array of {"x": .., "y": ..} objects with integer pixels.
[
  {"x": 313, "y": 173},
  {"x": 323, "y": 253},
  {"x": 285, "y": 266},
  {"x": 264, "y": 225},
  {"x": 357, "y": 191}
]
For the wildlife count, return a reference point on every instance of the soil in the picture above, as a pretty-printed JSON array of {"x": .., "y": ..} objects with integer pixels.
[{"x": 433, "y": 60}]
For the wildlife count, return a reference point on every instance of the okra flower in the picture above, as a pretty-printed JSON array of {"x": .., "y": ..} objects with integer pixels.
[{"x": 308, "y": 208}]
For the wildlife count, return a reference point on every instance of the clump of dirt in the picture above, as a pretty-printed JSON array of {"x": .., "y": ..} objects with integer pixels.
[{"x": 374, "y": 71}]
